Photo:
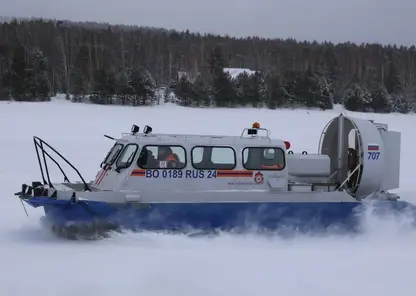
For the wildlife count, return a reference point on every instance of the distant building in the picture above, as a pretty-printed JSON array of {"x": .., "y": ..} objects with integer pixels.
[
  {"x": 234, "y": 72},
  {"x": 182, "y": 72}
]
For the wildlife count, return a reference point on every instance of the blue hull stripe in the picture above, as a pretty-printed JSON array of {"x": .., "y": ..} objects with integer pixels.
[{"x": 211, "y": 216}]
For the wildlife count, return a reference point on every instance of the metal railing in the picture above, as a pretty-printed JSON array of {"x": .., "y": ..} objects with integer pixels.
[{"x": 39, "y": 145}]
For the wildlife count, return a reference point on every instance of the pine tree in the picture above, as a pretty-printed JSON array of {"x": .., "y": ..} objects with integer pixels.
[
  {"x": 274, "y": 89},
  {"x": 216, "y": 62},
  {"x": 223, "y": 91},
  {"x": 124, "y": 88},
  {"x": 290, "y": 87},
  {"x": 183, "y": 91},
  {"x": 243, "y": 89},
  {"x": 3, "y": 92},
  {"x": 392, "y": 80},
  {"x": 257, "y": 94},
  {"x": 319, "y": 91},
  {"x": 104, "y": 87},
  {"x": 79, "y": 89},
  {"x": 37, "y": 76},
  {"x": 357, "y": 98},
  {"x": 200, "y": 92},
  {"x": 399, "y": 103},
  {"x": 143, "y": 87},
  {"x": 381, "y": 102},
  {"x": 15, "y": 78},
  {"x": 305, "y": 89}
]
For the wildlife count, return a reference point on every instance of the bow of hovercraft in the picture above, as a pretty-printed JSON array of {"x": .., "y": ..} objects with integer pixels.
[
  {"x": 69, "y": 214},
  {"x": 80, "y": 208}
]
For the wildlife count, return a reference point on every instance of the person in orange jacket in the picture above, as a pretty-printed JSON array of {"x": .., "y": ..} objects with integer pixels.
[
  {"x": 269, "y": 157},
  {"x": 268, "y": 167},
  {"x": 166, "y": 154}
]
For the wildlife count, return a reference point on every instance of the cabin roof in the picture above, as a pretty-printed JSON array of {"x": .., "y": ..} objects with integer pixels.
[
  {"x": 182, "y": 139},
  {"x": 253, "y": 136}
]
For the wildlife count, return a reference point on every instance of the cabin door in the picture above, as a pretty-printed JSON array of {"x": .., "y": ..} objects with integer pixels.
[
  {"x": 116, "y": 175},
  {"x": 159, "y": 168}
]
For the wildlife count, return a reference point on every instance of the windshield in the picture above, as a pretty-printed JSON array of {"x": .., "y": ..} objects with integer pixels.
[
  {"x": 127, "y": 156},
  {"x": 112, "y": 154}
]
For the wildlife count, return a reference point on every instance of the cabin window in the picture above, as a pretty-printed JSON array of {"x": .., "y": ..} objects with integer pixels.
[
  {"x": 263, "y": 158},
  {"x": 213, "y": 158},
  {"x": 127, "y": 156},
  {"x": 113, "y": 154},
  {"x": 162, "y": 157}
]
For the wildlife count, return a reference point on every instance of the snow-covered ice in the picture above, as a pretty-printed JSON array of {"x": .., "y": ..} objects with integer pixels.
[{"x": 32, "y": 262}]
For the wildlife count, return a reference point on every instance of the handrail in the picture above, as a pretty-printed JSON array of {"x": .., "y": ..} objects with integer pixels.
[
  {"x": 349, "y": 176},
  {"x": 39, "y": 144},
  {"x": 51, "y": 158},
  {"x": 258, "y": 129}
]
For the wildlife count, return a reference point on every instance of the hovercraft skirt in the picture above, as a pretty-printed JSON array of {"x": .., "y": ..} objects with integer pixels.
[{"x": 208, "y": 217}]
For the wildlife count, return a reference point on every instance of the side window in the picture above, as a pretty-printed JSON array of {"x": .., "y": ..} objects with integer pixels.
[
  {"x": 263, "y": 158},
  {"x": 213, "y": 158},
  {"x": 127, "y": 156},
  {"x": 162, "y": 157},
  {"x": 113, "y": 154}
]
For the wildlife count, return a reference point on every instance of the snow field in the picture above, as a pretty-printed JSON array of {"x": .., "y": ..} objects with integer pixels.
[{"x": 32, "y": 262}]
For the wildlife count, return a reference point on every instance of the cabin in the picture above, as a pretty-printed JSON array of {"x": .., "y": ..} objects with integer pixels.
[{"x": 198, "y": 152}]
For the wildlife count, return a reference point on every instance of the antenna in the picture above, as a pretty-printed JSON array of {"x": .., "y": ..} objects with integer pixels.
[
  {"x": 24, "y": 208},
  {"x": 344, "y": 111}
]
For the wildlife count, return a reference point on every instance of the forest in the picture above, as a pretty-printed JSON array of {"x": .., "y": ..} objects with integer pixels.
[{"x": 129, "y": 65}]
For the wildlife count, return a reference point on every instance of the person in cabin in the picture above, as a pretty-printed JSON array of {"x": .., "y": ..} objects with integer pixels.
[
  {"x": 352, "y": 165},
  {"x": 266, "y": 158},
  {"x": 167, "y": 158},
  {"x": 270, "y": 160},
  {"x": 147, "y": 159}
]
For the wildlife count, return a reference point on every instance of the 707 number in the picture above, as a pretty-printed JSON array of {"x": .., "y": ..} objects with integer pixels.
[{"x": 373, "y": 155}]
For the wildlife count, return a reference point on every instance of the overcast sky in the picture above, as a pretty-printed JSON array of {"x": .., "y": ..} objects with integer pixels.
[{"x": 383, "y": 21}]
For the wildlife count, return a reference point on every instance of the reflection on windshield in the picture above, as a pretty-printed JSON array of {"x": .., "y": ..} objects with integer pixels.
[{"x": 113, "y": 154}]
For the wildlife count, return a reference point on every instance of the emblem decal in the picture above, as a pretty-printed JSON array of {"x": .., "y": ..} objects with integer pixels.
[{"x": 258, "y": 178}]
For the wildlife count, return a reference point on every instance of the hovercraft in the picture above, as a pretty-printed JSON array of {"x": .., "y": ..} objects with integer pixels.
[{"x": 180, "y": 182}]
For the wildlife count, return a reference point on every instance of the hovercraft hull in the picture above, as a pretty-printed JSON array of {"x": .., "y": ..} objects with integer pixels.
[{"x": 82, "y": 217}]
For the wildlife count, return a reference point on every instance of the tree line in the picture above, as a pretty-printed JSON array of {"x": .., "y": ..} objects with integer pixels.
[{"x": 130, "y": 65}]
